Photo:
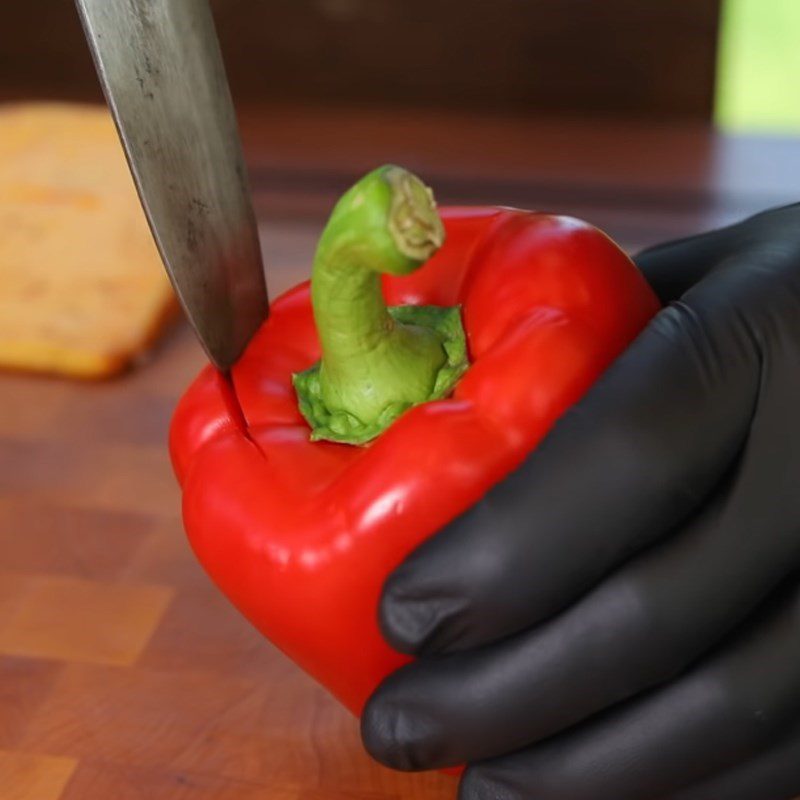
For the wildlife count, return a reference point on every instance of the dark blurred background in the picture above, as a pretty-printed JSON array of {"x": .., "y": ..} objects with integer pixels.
[
  {"x": 654, "y": 58},
  {"x": 608, "y": 110}
]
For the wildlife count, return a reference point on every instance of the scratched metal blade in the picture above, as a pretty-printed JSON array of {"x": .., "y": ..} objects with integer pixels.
[{"x": 162, "y": 72}]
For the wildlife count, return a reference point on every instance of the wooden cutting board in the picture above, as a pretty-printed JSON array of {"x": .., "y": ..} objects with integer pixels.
[{"x": 124, "y": 675}]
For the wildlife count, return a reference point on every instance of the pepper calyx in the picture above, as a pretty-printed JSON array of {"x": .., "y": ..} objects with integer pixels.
[{"x": 344, "y": 427}]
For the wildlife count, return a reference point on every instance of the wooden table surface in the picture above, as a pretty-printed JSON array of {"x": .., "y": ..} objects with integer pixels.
[{"x": 124, "y": 675}]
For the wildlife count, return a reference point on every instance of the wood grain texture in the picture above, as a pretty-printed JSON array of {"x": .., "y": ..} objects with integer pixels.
[
  {"x": 32, "y": 777},
  {"x": 123, "y": 672}
]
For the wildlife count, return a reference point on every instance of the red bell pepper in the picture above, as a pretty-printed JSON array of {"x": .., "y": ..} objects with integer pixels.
[{"x": 301, "y": 534}]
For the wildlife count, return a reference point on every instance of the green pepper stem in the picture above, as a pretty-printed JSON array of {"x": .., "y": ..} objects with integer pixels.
[{"x": 386, "y": 223}]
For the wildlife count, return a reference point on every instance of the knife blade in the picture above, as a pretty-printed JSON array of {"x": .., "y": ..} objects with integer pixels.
[{"x": 161, "y": 69}]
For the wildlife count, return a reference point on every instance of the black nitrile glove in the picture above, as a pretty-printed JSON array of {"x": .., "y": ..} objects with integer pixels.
[{"x": 620, "y": 618}]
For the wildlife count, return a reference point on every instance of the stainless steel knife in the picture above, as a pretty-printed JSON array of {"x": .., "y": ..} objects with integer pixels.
[{"x": 161, "y": 68}]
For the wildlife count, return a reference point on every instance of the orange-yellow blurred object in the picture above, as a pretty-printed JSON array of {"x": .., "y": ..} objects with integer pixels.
[{"x": 82, "y": 289}]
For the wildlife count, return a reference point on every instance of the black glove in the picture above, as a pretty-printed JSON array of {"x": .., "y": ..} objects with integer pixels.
[{"x": 620, "y": 618}]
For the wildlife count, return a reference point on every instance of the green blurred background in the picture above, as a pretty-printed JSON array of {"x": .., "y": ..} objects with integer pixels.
[{"x": 759, "y": 66}]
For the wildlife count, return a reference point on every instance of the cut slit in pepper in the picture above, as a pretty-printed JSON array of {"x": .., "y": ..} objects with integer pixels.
[{"x": 301, "y": 535}]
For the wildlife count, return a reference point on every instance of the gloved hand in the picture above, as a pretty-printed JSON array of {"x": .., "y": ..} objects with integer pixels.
[{"x": 620, "y": 618}]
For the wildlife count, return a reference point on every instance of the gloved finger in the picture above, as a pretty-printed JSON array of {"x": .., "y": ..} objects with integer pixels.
[
  {"x": 622, "y": 468},
  {"x": 723, "y": 712},
  {"x": 673, "y": 267},
  {"x": 772, "y": 775},
  {"x": 639, "y": 628}
]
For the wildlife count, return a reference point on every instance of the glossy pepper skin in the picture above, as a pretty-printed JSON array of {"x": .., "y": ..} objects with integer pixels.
[{"x": 301, "y": 535}]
